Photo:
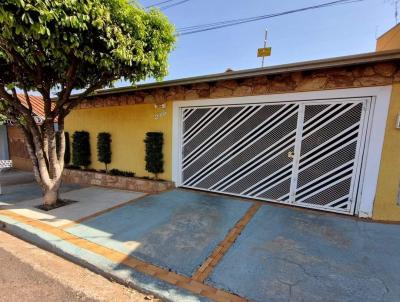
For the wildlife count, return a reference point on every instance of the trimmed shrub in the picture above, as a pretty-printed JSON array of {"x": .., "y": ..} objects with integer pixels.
[
  {"x": 154, "y": 157},
  {"x": 104, "y": 148},
  {"x": 81, "y": 149},
  {"x": 67, "y": 155},
  {"x": 117, "y": 172}
]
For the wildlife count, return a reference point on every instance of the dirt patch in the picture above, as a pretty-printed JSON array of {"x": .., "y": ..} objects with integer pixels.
[
  {"x": 31, "y": 274},
  {"x": 60, "y": 203}
]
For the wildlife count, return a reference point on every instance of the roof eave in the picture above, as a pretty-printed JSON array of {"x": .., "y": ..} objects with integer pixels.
[{"x": 374, "y": 57}]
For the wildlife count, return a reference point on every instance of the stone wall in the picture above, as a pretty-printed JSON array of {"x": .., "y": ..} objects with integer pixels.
[
  {"x": 366, "y": 75},
  {"x": 117, "y": 182}
]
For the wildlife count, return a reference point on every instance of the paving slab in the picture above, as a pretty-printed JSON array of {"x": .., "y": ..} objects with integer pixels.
[
  {"x": 13, "y": 177},
  {"x": 90, "y": 201},
  {"x": 176, "y": 230},
  {"x": 16, "y": 193},
  {"x": 287, "y": 254}
]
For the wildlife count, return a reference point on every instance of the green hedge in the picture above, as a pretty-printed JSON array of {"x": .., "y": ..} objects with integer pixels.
[
  {"x": 154, "y": 157},
  {"x": 104, "y": 148},
  {"x": 67, "y": 154},
  {"x": 81, "y": 149}
]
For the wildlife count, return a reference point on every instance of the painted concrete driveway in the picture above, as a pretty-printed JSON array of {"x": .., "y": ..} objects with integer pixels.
[
  {"x": 287, "y": 254},
  {"x": 176, "y": 230}
]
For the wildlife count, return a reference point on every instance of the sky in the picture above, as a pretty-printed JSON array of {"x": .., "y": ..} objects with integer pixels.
[{"x": 327, "y": 32}]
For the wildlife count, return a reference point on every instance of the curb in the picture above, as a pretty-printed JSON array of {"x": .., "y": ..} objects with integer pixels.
[{"x": 98, "y": 264}]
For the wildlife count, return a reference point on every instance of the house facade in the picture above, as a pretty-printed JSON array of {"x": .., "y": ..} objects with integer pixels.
[
  {"x": 390, "y": 40},
  {"x": 321, "y": 134},
  {"x": 14, "y": 139}
]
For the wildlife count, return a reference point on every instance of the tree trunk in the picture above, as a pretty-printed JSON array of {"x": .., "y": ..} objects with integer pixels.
[
  {"x": 50, "y": 196},
  {"x": 48, "y": 164},
  {"x": 47, "y": 158}
]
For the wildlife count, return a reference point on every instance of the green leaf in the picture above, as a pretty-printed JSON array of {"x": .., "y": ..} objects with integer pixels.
[{"x": 109, "y": 39}]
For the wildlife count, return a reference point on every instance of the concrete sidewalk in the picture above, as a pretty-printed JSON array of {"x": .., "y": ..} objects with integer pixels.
[
  {"x": 15, "y": 177},
  {"x": 89, "y": 201},
  {"x": 22, "y": 196},
  {"x": 12, "y": 194}
]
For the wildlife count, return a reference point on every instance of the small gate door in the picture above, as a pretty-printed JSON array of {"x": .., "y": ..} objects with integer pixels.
[
  {"x": 328, "y": 165},
  {"x": 302, "y": 153}
]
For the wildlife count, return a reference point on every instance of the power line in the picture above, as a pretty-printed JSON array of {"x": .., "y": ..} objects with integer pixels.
[
  {"x": 396, "y": 10},
  {"x": 251, "y": 19},
  {"x": 271, "y": 15},
  {"x": 173, "y": 4},
  {"x": 217, "y": 25},
  {"x": 167, "y": 6},
  {"x": 156, "y": 4}
]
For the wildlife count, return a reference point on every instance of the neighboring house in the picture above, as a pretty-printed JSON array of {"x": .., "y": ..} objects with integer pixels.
[
  {"x": 18, "y": 152},
  {"x": 3, "y": 143},
  {"x": 390, "y": 40},
  {"x": 320, "y": 134}
]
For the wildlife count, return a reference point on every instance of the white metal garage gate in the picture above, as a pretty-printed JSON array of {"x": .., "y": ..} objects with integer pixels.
[{"x": 301, "y": 153}]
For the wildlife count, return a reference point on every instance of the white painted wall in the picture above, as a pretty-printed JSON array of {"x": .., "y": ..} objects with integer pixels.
[{"x": 373, "y": 144}]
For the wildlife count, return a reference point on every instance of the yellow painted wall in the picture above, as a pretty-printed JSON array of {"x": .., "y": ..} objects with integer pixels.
[
  {"x": 128, "y": 126},
  {"x": 385, "y": 206},
  {"x": 389, "y": 40}
]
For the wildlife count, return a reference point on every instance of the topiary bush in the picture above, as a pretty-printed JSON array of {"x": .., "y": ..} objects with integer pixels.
[
  {"x": 154, "y": 157},
  {"x": 81, "y": 149},
  {"x": 67, "y": 154},
  {"x": 104, "y": 148}
]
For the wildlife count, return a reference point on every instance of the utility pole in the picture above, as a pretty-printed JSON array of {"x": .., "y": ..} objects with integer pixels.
[
  {"x": 265, "y": 46},
  {"x": 265, "y": 51},
  {"x": 395, "y": 4}
]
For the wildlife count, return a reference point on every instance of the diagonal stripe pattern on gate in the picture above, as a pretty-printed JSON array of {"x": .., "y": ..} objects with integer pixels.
[
  {"x": 328, "y": 153},
  {"x": 256, "y": 155},
  {"x": 300, "y": 153}
]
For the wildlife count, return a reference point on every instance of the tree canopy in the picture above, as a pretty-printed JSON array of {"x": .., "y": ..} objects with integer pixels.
[
  {"x": 55, "y": 46},
  {"x": 60, "y": 45},
  {"x": 3, "y": 118}
]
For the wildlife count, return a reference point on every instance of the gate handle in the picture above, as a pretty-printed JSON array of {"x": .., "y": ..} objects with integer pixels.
[{"x": 290, "y": 154}]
